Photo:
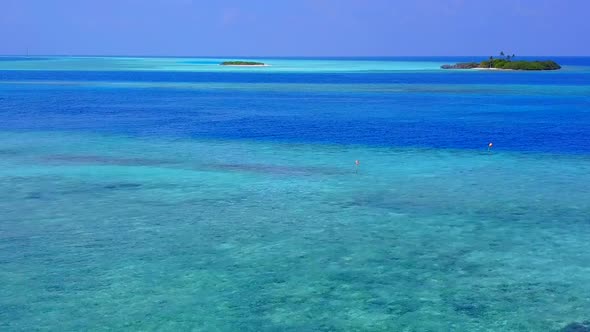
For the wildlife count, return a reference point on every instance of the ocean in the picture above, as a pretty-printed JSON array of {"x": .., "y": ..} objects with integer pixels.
[{"x": 174, "y": 194}]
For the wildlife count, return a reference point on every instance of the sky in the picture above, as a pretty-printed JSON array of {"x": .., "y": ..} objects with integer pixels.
[{"x": 294, "y": 27}]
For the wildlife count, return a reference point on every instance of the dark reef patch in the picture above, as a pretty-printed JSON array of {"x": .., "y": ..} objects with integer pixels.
[
  {"x": 274, "y": 169},
  {"x": 7, "y": 152},
  {"x": 116, "y": 186},
  {"x": 105, "y": 160},
  {"x": 577, "y": 327},
  {"x": 470, "y": 309},
  {"x": 33, "y": 195}
]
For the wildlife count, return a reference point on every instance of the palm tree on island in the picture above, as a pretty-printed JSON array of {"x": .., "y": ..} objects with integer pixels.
[{"x": 508, "y": 56}]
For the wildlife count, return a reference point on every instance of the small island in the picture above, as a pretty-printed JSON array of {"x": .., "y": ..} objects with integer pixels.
[
  {"x": 506, "y": 62},
  {"x": 243, "y": 63}
]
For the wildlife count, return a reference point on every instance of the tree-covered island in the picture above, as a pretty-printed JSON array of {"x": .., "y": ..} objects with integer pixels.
[
  {"x": 506, "y": 62},
  {"x": 242, "y": 63}
]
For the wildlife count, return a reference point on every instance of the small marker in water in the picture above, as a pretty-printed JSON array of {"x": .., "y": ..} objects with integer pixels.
[{"x": 490, "y": 146}]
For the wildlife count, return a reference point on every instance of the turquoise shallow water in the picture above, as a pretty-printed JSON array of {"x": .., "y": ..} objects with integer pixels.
[
  {"x": 231, "y": 203},
  {"x": 106, "y": 232},
  {"x": 213, "y": 64}
]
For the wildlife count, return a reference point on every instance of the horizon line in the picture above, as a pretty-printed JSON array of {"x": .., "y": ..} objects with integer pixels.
[{"x": 272, "y": 56}]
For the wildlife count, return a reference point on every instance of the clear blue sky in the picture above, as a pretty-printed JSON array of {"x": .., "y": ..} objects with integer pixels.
[{"x": 295, "y": 27}]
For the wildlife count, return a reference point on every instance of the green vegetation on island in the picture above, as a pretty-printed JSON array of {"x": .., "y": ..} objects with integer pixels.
[
  {"x": 520, "y": 65},
  {"x": 506, "y": 62},
  {"x": 242, "y": 63}
]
